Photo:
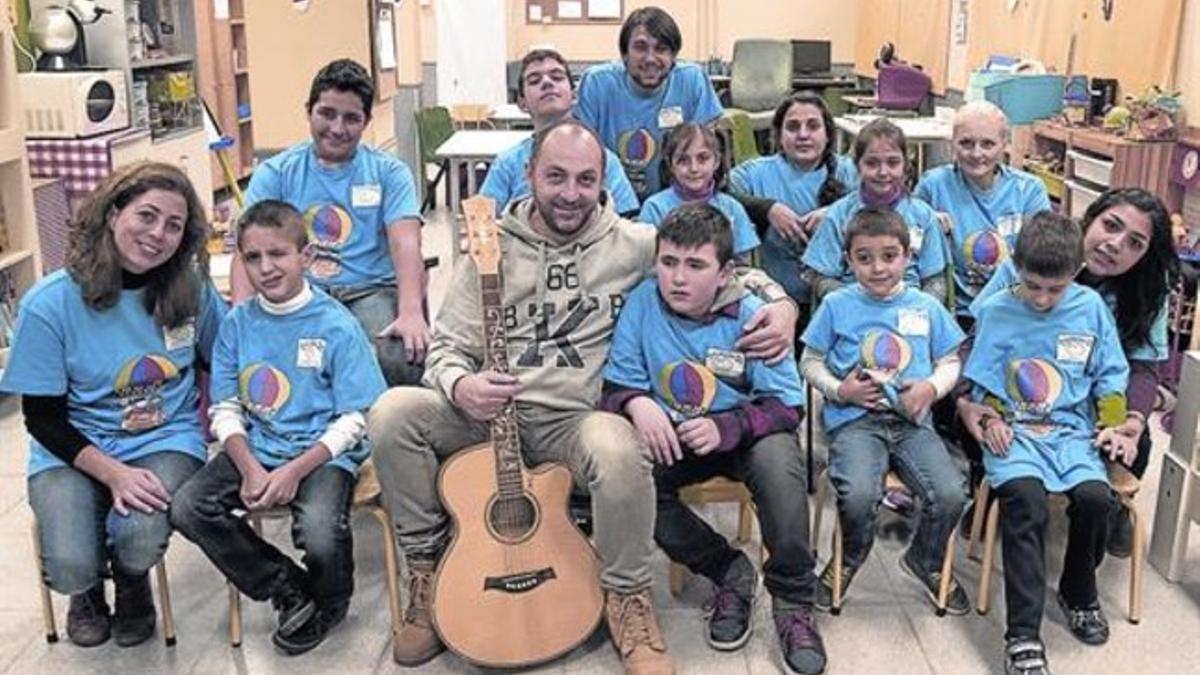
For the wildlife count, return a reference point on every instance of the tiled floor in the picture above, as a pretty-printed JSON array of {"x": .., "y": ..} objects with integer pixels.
[{"x": 886, "y": 625}]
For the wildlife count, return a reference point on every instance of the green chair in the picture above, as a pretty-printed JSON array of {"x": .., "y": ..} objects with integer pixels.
[
  {"x": 742, "y": 132},
  {"x": 434, "y": 127},
  {"x": 761, "y": 78}
]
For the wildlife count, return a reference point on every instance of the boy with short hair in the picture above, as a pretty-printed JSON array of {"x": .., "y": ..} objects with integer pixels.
[
  {"x": 881, "y": 353},
  {"x": 292, "y": 375},
  {"x": 705, "y": 410},
  {"x": 1047, "y": 359}
]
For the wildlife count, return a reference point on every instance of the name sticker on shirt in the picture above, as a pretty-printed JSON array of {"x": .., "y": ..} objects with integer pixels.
[
  {"x": 913, "y": 322},
  {"x": 670, "y": 117},
  {"x": 1009, "y": 226},
  {"x": 181, "y": 337},
  {"x": 366, "y": 195},
  {"x": 725, "y": 364},
  {"x": 310, "y": 352},
  {"x": 916, "y": 237},
  {"x": 1074, "y": 348}
]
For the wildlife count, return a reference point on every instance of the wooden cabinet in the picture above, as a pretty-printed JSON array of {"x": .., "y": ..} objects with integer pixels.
[
  {"x": 221, "y": 53},
  {"x": 186, "y": 150},
  {"x": 20, "y": 257}
]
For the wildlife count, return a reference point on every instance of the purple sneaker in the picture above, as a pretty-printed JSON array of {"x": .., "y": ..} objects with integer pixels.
[{"x": 803, "y": 650}]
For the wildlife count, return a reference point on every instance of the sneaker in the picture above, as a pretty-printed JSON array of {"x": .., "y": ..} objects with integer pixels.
[
  {"x": 1088, "y": 624},
  {"x": 416, "y": 642},
  {"x": 88, "y": 622},
  {"x": 635, "y": 633},
  {"x": 1025, "y": 656},
  {"x": 824, "y": 600},
  {"x": 1120, "y": 533},
  {"x": 957, "y": 602},
  {"x": 730, "y": 622},
  {"x": 311, "y": 634},
  {"x": 293, "y": 608},
  {"x": 133, "y": 622},
  {"x": 803, "y": 650},
  {"x": 898, "y": 499}
]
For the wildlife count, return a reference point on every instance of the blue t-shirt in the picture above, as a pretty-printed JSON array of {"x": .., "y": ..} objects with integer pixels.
[
  {"x": 635, "y": 124},
  {"x": 927, "y": 244},
  {"x": 1155, "y": 349},
  {"x": 347, "y": 210},
  {"x": 895, "y": 340},
  {"x": 674, "y": 358},
  {"x": 1048, "y": 369},
  {"x": 130, "y": 384},
  {"x": 508, "y": 180},
  {"x": 745, "y": 239},
  {"x": 294, "y": 374},
  {"x": 986, "y": 223},
  {"x": 776, "y": 178}
]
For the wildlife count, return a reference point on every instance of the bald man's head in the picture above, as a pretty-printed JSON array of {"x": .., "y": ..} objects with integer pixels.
[{"x": 566, "y": 174}]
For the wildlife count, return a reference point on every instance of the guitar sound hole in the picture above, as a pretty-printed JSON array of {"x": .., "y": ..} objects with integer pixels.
[{"x": 513, "y": 517}]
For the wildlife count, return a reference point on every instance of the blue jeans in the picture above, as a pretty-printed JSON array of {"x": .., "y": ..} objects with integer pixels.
[
  {"x": 375, "y": 308},
  {"x": 859, "y": 458},
  {"x": 782, "y": 261},
  {"x": 203, "y": 511},
  {"x": 80, "y": 533}
]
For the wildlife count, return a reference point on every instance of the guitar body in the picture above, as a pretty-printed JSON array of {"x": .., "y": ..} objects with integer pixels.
[{"x": 519, "y": 583}]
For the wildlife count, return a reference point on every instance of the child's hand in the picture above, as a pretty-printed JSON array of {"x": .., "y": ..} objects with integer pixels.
[
  {"x": 1117, "y": 444},
  {"x": 859, "y": 389},
  {"x": 254, "y": 481},
  {"x": 280, "y": 489},
  {"x": 812, "y": 220},
  {"x": 973, "y": 415},
  {"x": 790, "y": 225},
  {"x": 997, "y": 435},
  {"x": 916, "y": 398},
  {"x": 655, "y": 430},
  {"x": 700, "y": 434},
  {"x": 414, "y": 331}
]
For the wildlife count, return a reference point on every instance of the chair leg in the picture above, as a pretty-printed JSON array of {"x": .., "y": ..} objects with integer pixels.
[
  {"x": 989, "y": 552},
  {"x": 947, "y": 576},
  {"x": 1137, "y": 565},
  {"x": 818, "y": 514},
  {"x": 47, "y": 602},
  {"x": 235, "y": 616},
  {"x": 977, "y": 517},
  {"x": 836, "y": 606},
  {"x": 164, "y": 599},
  {"x": 390, "y": 564},
  {"x": 675, "y": 576},
  {"x": 745, "y": 521}
]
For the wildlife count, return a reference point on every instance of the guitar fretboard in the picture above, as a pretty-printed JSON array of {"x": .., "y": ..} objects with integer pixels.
[{"x": 505, "y": 440}]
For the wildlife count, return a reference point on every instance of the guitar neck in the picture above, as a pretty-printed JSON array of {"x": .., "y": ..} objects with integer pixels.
[{"x": 505, "y": 439}]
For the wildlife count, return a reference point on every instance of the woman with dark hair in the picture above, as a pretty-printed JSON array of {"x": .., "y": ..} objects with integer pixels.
[
  {"x": 803, "y": 178},
  {"x": 104, "y": 358},
  {"x": 1130, "y": 260}
]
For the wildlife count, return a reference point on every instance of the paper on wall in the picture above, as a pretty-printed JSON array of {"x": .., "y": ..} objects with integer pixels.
[
  {"x": 570, "y": 9},
  {"x": 604, "y": 9},
  {"x": 535, "y": 12}
]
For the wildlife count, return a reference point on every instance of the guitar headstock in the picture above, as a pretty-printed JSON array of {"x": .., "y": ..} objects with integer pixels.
[{"x": 483, "y": 233}]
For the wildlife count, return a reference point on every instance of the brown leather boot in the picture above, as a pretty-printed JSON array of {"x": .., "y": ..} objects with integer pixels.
[
  {"x": 416, "y": 642},
  {"x": 635, "y": 633}
]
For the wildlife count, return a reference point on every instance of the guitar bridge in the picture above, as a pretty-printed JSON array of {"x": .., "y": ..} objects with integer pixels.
[{"x": 520, "y": 582}]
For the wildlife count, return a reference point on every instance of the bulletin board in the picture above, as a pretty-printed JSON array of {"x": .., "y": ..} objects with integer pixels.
[{"x": 574, "y": 11}]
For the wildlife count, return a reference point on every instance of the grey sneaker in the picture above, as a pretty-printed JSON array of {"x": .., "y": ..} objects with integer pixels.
[
  {"x": 293, "y": 608},
  {"x": 88, "y": 623},
  {"x": 824, "y": 599},
  {"x": 803, "y": 650},
  {"x": 957, "y": 602},
  {"x": 731, "y": 620},
  {"x": 1087, "y": 624},
  {"x": 1025, "y": 656}
]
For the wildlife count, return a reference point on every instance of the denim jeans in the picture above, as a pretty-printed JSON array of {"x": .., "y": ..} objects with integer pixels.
[
  {"x": 413, "y": 430},
  {"x": 782, "y": 261},
  {"x": 80, "y": 533},
  {"x": 375, "y": 308},
  {"x": 774, "y": 471},
  {"x": 859, "y": 458},
  {"x": 203, "y": 511}
]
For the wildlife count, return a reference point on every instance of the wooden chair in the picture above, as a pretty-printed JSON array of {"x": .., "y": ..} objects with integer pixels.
[
  {"x": 891, "y": 481},
  {"x": 164, "y": 596},
  {"x": 712, "y": 491},
  {"x": 368, "y": 497},
  {"x": 1124, "y": 483}
]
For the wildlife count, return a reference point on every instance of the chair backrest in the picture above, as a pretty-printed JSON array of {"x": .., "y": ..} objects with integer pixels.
[
  {"x": 762, "y": 74},
  {"x": 475, "y": 114},
  {"x": 434, "y": 126},
  {"x": 742, "y": 132},
  {"x": 901, "y": 87}
]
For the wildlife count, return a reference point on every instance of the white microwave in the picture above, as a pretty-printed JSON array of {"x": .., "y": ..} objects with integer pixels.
[{"x": 73, "y": 104}]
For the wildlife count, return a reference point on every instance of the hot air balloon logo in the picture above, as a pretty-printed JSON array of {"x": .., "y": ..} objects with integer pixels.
[
  {"x": 328, "y": 227},
  {"x": 637, "y": 148},
  {"x": 1033, "y": 385},
  {"x": 983, "y": 251},
  {"x": 138, "y": 384},
  {"x": 885, "y": 355},
  {"x": 263, "y": 389},
  {"x": 688, "y": 388}
]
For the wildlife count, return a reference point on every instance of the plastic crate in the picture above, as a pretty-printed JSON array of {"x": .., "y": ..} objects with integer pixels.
[
  {"x": 1055, "y": 184},
  {"x": 1026, "y": 98}
]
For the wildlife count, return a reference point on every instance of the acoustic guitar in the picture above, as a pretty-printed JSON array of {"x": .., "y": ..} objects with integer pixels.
[{"x": 519, "y": 583}]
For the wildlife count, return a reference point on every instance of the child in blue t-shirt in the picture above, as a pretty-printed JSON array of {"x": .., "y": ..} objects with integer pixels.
[
  {"x": 692, "y": 168},
  {"x": 880, "y": 156},
  {"x": 704, "y": 410},
  {"x": 1047, "y": 360},
  {"x": 293, "y": 373},
  {"x": 881, "y": 352}
]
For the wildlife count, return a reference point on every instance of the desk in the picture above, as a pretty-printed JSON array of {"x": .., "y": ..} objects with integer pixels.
[
  {"x": 720, "y": 82},
  {"x": 467, "y": 146},
  {"x": 510, "y": 116},
  {"x": 920, "y": 131}
]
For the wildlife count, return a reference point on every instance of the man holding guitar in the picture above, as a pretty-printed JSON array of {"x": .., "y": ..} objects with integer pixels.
[{"x": 568, "y": 263}]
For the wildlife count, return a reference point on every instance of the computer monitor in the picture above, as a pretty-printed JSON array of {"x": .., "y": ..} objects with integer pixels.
[{"x": 811, "y": 57}]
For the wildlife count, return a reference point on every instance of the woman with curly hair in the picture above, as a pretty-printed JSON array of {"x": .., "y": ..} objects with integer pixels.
[{"x": 104, "y": 357}]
